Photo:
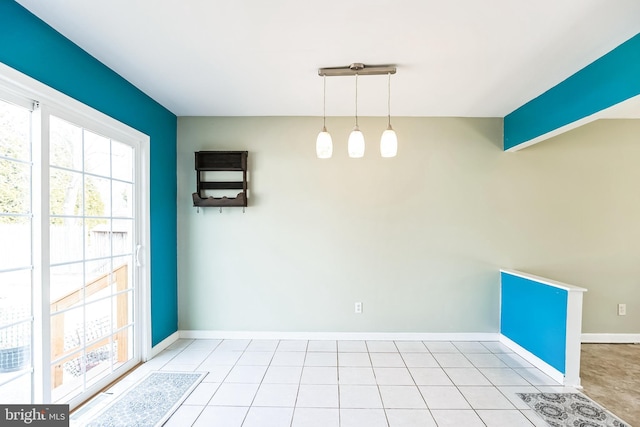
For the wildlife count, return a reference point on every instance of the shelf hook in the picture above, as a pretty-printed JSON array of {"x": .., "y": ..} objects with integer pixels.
[{"x": 220, "y": 209}]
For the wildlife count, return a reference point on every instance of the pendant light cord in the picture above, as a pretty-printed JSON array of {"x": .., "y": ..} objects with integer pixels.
[
  {"x": 356, "y": 99},
  {"x": 324, "y": 103},
  {"x": 389, "y": 100}
]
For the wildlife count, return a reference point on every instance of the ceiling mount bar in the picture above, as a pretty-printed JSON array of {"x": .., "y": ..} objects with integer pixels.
[{"x": 357, "y": 68}]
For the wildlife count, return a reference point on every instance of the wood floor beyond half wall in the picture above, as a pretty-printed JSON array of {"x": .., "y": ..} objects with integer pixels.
[{"x": 610, "y": 375}]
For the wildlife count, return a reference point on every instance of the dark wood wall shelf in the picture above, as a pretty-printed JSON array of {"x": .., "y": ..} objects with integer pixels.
[{"x": 220, "y": 161}]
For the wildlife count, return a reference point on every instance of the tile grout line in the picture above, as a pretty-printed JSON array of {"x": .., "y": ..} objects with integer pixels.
[
  {"x": 244, "y": 420},
  {"x": 414, "y": 380},
  {"x": 208, "y": 372},
  {"x": 465, "y": 397},
  {"x": 338, "y": 383},
  {"x": 295, "y": 403},
  {"x": 377, "y": 385}
]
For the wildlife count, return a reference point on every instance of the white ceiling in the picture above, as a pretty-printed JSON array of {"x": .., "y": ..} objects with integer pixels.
[{"x": 467, "y": 58}]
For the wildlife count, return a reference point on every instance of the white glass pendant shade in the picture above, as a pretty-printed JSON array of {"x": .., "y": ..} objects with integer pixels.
[
  {"x": 356, "y": 143},
  {"x": 324, "y": 144},
  {"x": 389, "y": 143}
]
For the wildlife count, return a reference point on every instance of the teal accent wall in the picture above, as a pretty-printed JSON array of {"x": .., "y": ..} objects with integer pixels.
[
  {"x": 32, "y": 47},
  {"x": 609, "y": 80},
  {"x": 534, "y": 316}
]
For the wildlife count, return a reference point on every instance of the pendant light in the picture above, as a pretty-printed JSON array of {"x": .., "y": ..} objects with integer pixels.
[
  {"x": 324, "y": 144},
  {"x": 389, "y": 139},
  {"x": 356, "y": 138},
  {"x": 356, "y": 144}
]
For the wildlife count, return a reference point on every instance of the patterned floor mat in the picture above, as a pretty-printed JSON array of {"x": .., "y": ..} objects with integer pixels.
[
  {"x": 570, "y": 409},
  {"x": 150, "y": 402}
]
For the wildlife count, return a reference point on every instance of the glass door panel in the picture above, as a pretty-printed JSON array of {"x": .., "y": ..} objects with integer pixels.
[
  {"x": 92, "y": 229},
  {"x": 16, "y": 258}
]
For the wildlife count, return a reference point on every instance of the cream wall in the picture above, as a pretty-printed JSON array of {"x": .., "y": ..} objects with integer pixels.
[
  {"x": 585, "y": 218},
  {"x": 419, "y": 238}
]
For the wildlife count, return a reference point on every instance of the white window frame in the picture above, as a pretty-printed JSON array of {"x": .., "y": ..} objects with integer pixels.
[{"x": 19, "y": 88}]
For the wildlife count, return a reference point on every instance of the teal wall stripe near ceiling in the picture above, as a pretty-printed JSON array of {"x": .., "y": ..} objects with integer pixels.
[
  {"x": 611, "y": 79},
  {"x": 29, "y": 45}
]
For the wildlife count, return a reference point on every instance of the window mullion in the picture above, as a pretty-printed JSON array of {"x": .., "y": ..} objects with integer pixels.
[{"x": 41, "y": 294}]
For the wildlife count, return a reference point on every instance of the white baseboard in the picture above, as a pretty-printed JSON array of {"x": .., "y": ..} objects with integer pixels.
[
  {"x": 611, "y": 338},
  {"x": 162, "y": 345},
  {"x": 393, "y": 336},
  {"x": 536, "y": 361}
]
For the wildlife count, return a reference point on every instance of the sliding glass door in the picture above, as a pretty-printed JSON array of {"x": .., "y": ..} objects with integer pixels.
[{"x": 70, "y": 280}]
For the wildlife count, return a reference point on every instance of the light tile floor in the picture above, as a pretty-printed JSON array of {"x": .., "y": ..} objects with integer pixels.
[{"x": 270, "y": 383}]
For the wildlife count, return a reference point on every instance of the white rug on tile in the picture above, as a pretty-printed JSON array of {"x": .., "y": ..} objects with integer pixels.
[
  {"x": 570, "y": 409},
  {"x": 150, "y": 402}
]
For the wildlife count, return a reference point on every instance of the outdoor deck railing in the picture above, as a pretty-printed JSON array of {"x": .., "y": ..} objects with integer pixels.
[{"x": 120, "y": 276}]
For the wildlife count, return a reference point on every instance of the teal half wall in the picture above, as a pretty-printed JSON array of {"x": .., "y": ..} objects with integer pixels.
[
  {"x": 32, "y": 47},
  {"x": 611, "y": 79},
  {"x": 534, "y": 316}
]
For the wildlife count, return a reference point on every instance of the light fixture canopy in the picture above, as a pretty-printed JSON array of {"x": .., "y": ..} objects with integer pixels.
[
  {"x": 324, "y": 144},
  {"x": 389, "y": 139},
  {"x": 357, "y": 68}
]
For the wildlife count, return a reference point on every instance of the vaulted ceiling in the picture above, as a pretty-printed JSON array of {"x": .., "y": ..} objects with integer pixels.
[{"x": 464, "y": 58}]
